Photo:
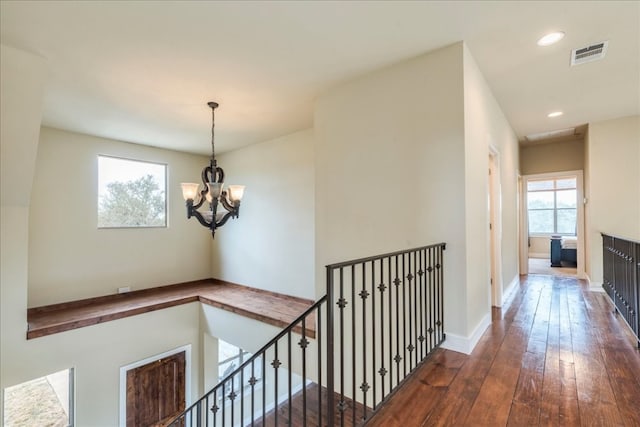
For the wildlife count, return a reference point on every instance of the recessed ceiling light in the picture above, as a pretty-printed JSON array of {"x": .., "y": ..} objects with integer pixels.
[
  {"x": 555, "y": 114},
  {"x": 551, "y": 38}
]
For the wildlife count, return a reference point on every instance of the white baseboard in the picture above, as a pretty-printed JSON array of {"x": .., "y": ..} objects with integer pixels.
[
  {"x": 506, "y": 294},
  {"x": 467, "y": 344},
  {"x": 593, "y": 286}
]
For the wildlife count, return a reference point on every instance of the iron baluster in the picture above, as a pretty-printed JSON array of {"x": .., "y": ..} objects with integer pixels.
[
  {"x": 275, "y": 364},
  {"x": 364, "y": 387},
  {"x": 289, "y": 374},
  {"x": 303, "y": 345},
  {"x": 373, "y": 333},
  {"x": 264, "y": 389},
  {"x": 353, "y": 340},
  {"x": 341, "y": 304}
]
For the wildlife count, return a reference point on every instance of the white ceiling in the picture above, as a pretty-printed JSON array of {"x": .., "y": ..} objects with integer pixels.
[{"x": 143, "y": 71}]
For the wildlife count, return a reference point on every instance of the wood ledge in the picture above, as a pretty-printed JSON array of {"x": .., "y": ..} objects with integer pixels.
[{"x": 265, "y": 306}]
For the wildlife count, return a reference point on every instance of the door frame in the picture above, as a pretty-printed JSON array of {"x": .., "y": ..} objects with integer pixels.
[
  {"x": 123, "y": 377},
  {"x": 580, "y": 228},
  {"x": 495, "y": 229}
]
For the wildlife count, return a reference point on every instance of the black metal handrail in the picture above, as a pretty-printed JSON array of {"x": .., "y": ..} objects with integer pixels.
[
  {"x": 214, "y": 415},
  {"x": 388, "y": 307},
  {"x": 391, "y": 334},
  {"x": 621, "y": 278}
]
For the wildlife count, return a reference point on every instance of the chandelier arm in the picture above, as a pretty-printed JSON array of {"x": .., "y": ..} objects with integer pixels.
[
  {"x": 225, "y": 218},
  {"x": 200, "y": 218},
  {"x": 203, "y": 193},
  {"x": 219, "y": 175},
  {"x": 226, "y": 203},
  {"x": 201, "y": 201}
]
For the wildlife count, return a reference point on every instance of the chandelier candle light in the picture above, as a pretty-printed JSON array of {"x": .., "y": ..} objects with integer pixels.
[{"x": 212, "y": 191}]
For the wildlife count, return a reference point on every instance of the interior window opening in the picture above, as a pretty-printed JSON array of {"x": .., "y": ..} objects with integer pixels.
[
  {"x": 230, "y": 358},
  {"x": 45, "y": 401}
]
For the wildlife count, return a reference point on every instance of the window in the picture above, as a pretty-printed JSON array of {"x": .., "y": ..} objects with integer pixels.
[
  {"x": 131, "y": 193},
  {"x": 45, "y": 401},
  {"x": 230, "y": 358},
  {"x": 552, "y": 206}
]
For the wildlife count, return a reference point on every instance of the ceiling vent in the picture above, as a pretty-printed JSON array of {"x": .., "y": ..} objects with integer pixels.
[{"x": 588, "y": 54}]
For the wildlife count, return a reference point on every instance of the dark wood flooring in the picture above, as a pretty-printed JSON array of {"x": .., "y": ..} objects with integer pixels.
[
  {"x": 556, "y": 355},
  {"x": 269, "y": 307},
  {"x": 312, "y": 404}
]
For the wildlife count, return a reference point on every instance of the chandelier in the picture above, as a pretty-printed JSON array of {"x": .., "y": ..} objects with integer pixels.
[{"x": 211, "y": 191}]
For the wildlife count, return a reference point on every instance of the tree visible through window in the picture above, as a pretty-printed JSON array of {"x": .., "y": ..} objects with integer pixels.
[
  {"x": 552, "y": 206},
  {"x": 131, "y": 193}
]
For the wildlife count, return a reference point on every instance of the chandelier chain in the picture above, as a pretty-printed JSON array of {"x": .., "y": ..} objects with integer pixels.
[{"x": 213, "y": 125}]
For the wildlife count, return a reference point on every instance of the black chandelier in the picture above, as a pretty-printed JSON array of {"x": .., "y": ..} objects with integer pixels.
[{"x": 212, "y": 191}]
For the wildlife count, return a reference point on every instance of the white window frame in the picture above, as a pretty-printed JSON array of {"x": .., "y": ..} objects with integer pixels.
[
  {"x": 165, "y": 190},
  {"x": 555, "y": 208}
]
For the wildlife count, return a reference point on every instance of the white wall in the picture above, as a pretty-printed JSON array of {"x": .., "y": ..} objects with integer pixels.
[
  {"x": 390, "y": 168},
  {"x": 485, "y": 125},
  {"x": 70, "y": 258},
  {"x": 614, "y": 185},
  {"x": 271, "y": 245}
]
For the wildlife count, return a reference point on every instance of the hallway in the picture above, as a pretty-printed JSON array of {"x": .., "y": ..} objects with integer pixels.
[{"x": 554, "y": 355}]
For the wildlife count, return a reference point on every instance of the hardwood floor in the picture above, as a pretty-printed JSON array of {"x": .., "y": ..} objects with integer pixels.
[
  {"x": 312, "y": 418},
  {"x": 556, "y": 355},
  {"x": 269, "y": 307},
  {"x": 543, "y": 266}
]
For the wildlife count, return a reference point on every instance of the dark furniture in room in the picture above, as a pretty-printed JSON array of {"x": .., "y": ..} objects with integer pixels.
[{"x": 563, "y": 252}]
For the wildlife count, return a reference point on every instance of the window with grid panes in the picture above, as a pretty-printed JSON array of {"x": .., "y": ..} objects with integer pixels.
[{"x": 552, "y": 206}]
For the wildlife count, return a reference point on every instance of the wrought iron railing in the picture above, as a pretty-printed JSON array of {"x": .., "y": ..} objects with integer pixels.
[
  {"x": 343, "y": 357},
  {"x": 621, "y": 278}
]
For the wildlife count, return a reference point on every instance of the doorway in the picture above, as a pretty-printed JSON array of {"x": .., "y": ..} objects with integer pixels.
[
  {"x": 553, "y": 224},
  {"x": 156, "y": 389},
  {"x": 47, "y": 400}
]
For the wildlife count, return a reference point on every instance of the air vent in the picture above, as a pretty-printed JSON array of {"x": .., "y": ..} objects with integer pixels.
[{"x": 588, "y": 54}]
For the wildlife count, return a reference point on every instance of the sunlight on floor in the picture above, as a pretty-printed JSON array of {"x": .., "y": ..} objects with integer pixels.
[
  {"x": 37, "y": 403},
  {"x": 543, "y": 266}
]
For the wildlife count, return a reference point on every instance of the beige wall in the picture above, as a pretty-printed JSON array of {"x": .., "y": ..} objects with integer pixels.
[
  {"x": 22, "y": 79},
  {"x": 553, "y": 157},
  {"x": 587, "y": 212},
  {"x": 540, "y": 247},
  {"x": 96, "y": 352},
  {"x": 271, "y": 245},
  {"x": 70, "y": 258},
  {"x": 401, "y": 161},
  {"x": 390, "y": 168},
  {"x": 614, "y": 185},
  {"x": 486, "y": 126}
]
